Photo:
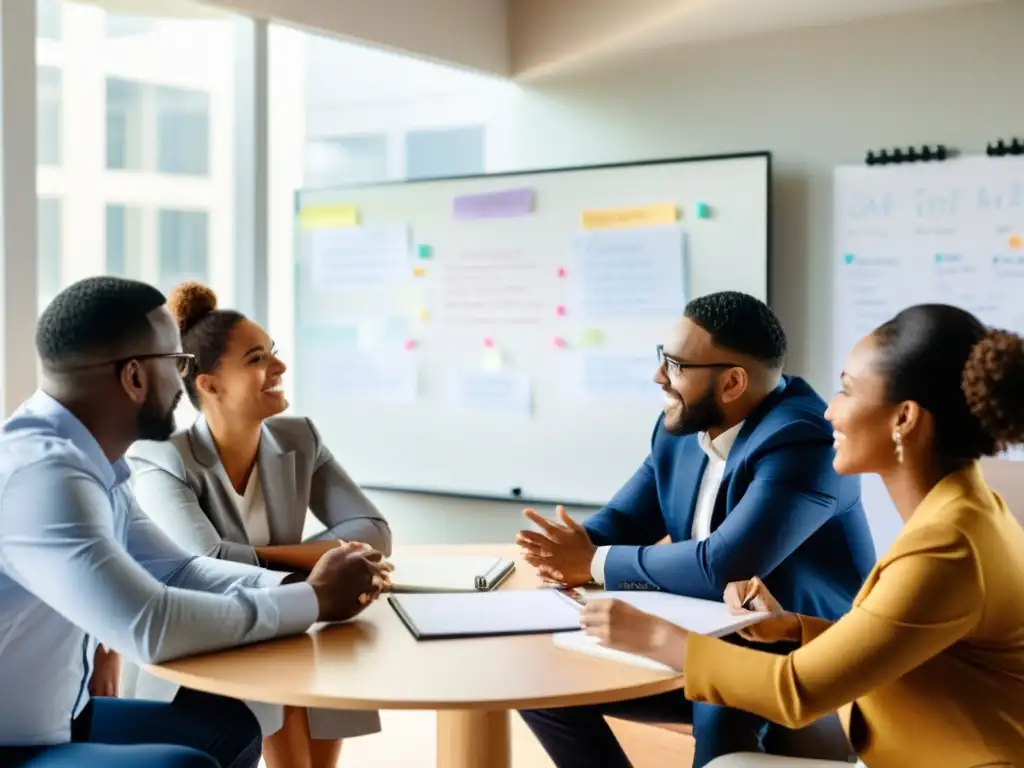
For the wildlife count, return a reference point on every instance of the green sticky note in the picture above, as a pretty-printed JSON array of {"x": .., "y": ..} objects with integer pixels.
[
  {"x": 703, "y": 211},
  {"x": 848, "y": 258},
  {"x": 592, "y": 337},
  {"x": 424, "y": 251}
]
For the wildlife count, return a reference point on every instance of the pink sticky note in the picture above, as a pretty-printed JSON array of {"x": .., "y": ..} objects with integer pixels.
[
  {"x": 410, "y": 345},
  {"x": 560, "y": 310},
  {"x": 489, "y": 343},
  {"x": 561, "y": 272},
  {"x": 558, "y": 342}
]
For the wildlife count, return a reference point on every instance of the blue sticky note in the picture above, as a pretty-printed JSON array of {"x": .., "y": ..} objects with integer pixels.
[
  {"x": 848, "y": 258},
  {"x": 424, "y": 251},
  {"x": 703, "y": 211}
]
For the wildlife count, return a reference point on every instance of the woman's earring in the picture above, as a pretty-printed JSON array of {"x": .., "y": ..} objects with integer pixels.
[{"x": 897, "y": 438}]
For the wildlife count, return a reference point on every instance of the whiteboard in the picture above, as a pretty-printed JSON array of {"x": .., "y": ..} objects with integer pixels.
[
  {"x": 949, "y": 232},
  {"x": 472, "y": 336}
]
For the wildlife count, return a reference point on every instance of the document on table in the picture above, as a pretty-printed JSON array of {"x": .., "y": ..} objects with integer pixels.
[
  {"x": 483, "y": 614},
  {"x": 702, "y": 617}
]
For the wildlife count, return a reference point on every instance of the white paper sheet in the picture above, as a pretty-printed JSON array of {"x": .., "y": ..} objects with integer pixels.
[
  {"x": 629, "y": 273},
  {"x": 610, "y": 375},
  {"x": 352, "y": 258},
  {"x": 506, "y": 611},
  {"x": 356, "y": 375},
  {"x": 498, "y": 392}
]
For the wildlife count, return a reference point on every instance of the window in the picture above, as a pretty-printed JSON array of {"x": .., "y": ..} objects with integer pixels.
[
  {"x": 48, "y": 224},
  {"x": 124, "y": 241},
  {"x": 49, "y": 84},
  {"x": 122, "y": 25},
  {"x": 141, "y": 175},
  {"x": 338, "y": 160},
  {"x": 48, "y": 19},
  {"x": 124, "y": 125},
  {"x": 184, "y": 245},
  {"x": 444, "y": 152},
  {"x": 182, "y": 130}
]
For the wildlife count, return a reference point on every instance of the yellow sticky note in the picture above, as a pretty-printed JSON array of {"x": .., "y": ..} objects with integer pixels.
[
  {"x": 1016, "y": 241},
  {"x": 422, "y": 314},
  {"x": 637, "y": 216},
  {"x": 328, "y": 216},
  {"x": 493, "y": 361},
  {"x": 592, "y": 337},
  {"x": 419, "y": 272}
]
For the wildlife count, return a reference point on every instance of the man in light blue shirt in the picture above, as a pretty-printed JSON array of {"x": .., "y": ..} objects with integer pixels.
[{"x": 80, "y": 564}]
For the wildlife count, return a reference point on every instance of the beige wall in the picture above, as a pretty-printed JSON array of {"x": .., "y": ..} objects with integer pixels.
[{"x": 816, "y": 98}]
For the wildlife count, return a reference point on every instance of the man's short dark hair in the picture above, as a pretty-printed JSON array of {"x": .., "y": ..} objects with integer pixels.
[
  {"x": 740, "y": 323},
  {"x": 94, "y": 318}
]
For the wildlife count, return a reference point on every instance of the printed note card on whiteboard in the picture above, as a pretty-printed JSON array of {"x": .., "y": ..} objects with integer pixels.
[
  {"x": 629, "y": 272},
  {"x": 353, "y": 258}
]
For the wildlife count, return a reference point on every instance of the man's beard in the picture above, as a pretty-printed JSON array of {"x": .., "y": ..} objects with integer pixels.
[
  {"x": 152, "y": 422},
  {"x": 699, "y": 416}
]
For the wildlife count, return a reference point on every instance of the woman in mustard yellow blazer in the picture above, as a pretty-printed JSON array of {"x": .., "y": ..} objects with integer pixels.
[{"x": 927, "y": 669}]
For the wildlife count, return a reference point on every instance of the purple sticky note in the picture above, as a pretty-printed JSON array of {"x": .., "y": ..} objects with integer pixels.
[{"x": 494, "y": 205}]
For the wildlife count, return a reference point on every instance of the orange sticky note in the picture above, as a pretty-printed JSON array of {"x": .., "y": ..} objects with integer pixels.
[
  {"x": 636, "y": 216},
  {"x": 1016, "y": 241}
]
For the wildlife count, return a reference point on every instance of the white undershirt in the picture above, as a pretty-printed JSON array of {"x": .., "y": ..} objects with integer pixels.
[
  {"x": 252, "y": 508},
  {"x": 710, "y": 482}
]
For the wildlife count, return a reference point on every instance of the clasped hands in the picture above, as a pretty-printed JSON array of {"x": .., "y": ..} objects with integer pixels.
[{"x": 347, "y": 578}]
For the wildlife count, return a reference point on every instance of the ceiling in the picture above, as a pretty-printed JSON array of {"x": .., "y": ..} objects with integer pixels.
[
  {"x": 550, "y": 36},
  {"x": 529, "y": 40}
]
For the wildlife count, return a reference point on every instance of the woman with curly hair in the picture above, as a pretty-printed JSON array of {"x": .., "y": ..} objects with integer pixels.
[{"x": 927, "y": 669}]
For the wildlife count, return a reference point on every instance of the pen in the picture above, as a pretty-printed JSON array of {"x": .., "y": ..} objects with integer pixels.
[{"x": 748, "y": 601}]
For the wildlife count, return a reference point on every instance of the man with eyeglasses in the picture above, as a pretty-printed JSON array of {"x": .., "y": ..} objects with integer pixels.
[
  {"x": 80, "y": 564},
  {"x": 740, "y": 480}
]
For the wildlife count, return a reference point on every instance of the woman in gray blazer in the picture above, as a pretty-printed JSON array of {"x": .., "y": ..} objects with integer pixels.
[{"x": 237, "y": 485}]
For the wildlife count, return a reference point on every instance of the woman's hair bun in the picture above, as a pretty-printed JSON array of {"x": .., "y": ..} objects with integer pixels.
[
  {"x": 994, "y": 385},
  {"x": 190, "y": 302}
]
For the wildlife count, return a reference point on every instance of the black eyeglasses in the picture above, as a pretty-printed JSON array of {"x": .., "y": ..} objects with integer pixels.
[
  {"x": 183, "y": 360},
  {"x": 672, "y": 366}
]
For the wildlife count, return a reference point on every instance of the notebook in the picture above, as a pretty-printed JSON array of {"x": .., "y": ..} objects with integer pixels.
[
  {"x": 483, "y": 614},
  {"x": 456, "y": 573},
  {"x": 703, "y": 617}
]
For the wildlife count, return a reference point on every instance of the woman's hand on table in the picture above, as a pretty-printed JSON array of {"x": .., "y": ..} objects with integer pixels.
[
  {"x": 752, "y": 595},
  {"x": 622, "y": 627}
]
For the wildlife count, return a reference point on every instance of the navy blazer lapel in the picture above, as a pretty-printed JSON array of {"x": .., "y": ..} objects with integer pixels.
[
  {"x": 739, "y": 448},
  {"x": 277, "y": 477},
  {"x": 690, "y": 472}
]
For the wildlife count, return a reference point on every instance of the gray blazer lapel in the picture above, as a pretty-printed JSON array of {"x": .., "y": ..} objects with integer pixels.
[
  {"x": 277, "y": 477},
  {"x": 218, "y": 504}
]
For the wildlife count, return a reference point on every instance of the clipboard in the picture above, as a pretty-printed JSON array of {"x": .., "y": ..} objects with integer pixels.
[
  {"x": 444, "y": 616},
  {"x": 455, "y": 573}
]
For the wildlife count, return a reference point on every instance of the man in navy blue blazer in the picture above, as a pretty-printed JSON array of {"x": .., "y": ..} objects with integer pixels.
[{"x": 740, "y": 479}]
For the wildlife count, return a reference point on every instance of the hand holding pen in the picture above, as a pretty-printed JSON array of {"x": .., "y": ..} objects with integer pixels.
[{"x": 753, "y": 595}]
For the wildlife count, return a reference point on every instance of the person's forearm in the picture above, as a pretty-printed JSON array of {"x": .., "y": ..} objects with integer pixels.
[{"x": 290, "y": 557}]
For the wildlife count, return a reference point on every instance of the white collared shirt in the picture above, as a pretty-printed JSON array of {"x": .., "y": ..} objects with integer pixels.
[
  {"x": 80, "y": 563},
  {"x": 717, "y": 451}
]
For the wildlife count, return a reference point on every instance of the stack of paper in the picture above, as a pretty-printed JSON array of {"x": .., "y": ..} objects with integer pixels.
[{"x": 702, "y": 617}]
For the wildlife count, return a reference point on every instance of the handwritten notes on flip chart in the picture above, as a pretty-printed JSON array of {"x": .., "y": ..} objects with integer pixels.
[
  {"x": 629, "y": 273},
  {"x": 499, "y": 393},
  {"x": 503, "y": 204},
  {"x": 492, "y": 286},
  {"x": 355, "y": 258},
  {"x": 381, "y": 376}
]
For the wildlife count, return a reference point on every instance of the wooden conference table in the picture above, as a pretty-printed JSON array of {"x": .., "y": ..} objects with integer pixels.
[{"x": 373, "y": 662}]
